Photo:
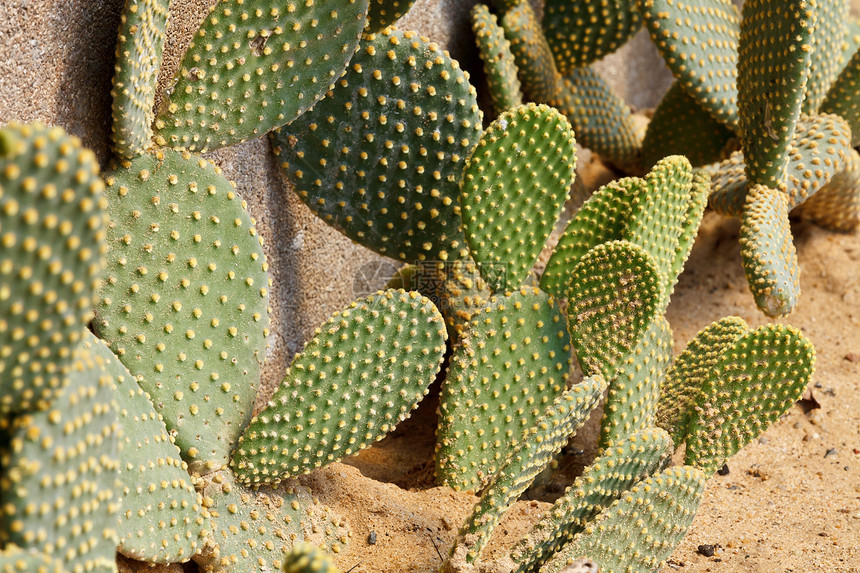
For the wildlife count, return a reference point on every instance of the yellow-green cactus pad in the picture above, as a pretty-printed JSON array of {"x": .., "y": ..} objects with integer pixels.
[
  {"x": 138, "y": 58},
  {"x": 603, "y": 217},
  {"x": 255, "y": 65},
  {"x": 843, "y": 99},
  {"x": 161, "y": 516},
  {"x": 819, "y": 149},
  {"x": 698, "y": 39},
  {"x": 641, "y": 529},
  {"x": 184, "y": 302},
  {"x": 601, "y": 120},
  {"x": 752, "y": 384},
  {"x": 681, "y": 126},
  {"x": 538, "y": 446},
  {"x": 631, "y": 403},
  {"x": 613, "y": 296},
  {"x": 363, "y": 371},
  {"x": 690, "y": 225},
  {"x": 512, "y": 191},
  {"x": 307, "y": 558},
  {"x": 836, "y": 206},
  {"x": 499, "y": 65},
  {"x": 380, "y": 157},
  {"x": 13, "y": 559},
  {"x": 608, "y": 477},
  {"x": 774, "y": 51},
  {"x": 51, "y": 254},
  {"x": 768, "y": 252},
  {"x": 582, "y": 32},
  {"x": 537, "y": 72},
  {"x": 58, "y": 485},
  {"x": 384, "y": 13},
  {"x": 511, "y": 364},
  {"x": 689, "y": 372},
  {"x": 831, "y": 26}
]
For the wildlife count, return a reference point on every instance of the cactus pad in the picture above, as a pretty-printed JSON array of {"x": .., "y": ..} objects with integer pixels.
[
  {"x": 631, "y": 403},
  {"x": 254, "y": 66},
  {"x": 384, "y": 13},
  {"x": 138, "y": 58},
  {"x": 499, "y": 66},
  {"x": 185, "y": 299},
  {"x": 534, "y": 61},
  {"x": 580, "y": 33},
  {"x": 752, "y": 384},
  {"x": 360, "y": 375},
  {"x": 690, "y": 225},
  {"x": 608, "y": 477},
  {"x": 774, "y": 51},
  {"x": 512, "y": 362},
  {"x": 380, "y": 157},
  {"x": 456, "y": 288},
  {"x": 161, "y": 518},
  {"x": 57, "y": 489},
  {"x": 613, "y": 297},
  {"x": 51, "y": 255},
  {"x": 680, "y": 126},
  {"x": 13, "y": 559},
  {"x": 768, "y": 252},
  {"x": 601, "y": 120},
  {"x": 843, "y": 99},
  {"x": 690, "y": 371},
  {"x": 536, "y": 449},
  {"x": 836, "y": 206},
  {"x": 698, "y": 39},
  {"x": 831, "y": 26},
  {"x": 641, "y": 529},
  {"x": 307, "y": 558},
  {"x": 513, "y": 188}
]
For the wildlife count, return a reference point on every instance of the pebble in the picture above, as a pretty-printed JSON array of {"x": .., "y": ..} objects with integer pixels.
[
  {"x": 706, "y": 550},
  {"x": 830, "y": 452},
  {"x": 852, "y": 357},
  {"x": 724, "y": 471},
  {"x": 371, "y": 539}
]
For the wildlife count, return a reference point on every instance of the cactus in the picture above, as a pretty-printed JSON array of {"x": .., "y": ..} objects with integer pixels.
[
  {"x": 830, "y": 28},
  {"x": 843, "y": 99},
  {"x": 510, "y": 207},
  {"x": 499, "y": 66},
  {"x": 306, "y": 558},
  {"x": 13, "y": 559},
  {"x": 535, "y": 64},
  {"x": 836, "y": 206},
  {"x": 277, "y": 61},
  {"x": 384, "y": 13}
]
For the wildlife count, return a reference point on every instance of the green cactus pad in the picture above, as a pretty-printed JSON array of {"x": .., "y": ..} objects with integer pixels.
[
  {"x": 689, "y": 372},
  {"x": 843, "y": 99},
  {"x": 750, "y": 387},
  {"x": 580, "y": 33},
  {"x": 256, "y": 65},
  {"x": 536, "y": 449},
  {"x": 384, "y": 13},
  {"x": 57, "y": 488},
  {"x": 603, "y": 217},
  {"x": 138, "y": 58},
  {"x": 768, "y": 252},
  {"x": 613, "y": 297},
  {"x": 774, "y": 51},
  {"x": 831, "y": 26},
  {"x": 690, "y": 225},
  {"x": 360, "y": 375},
  {"x": 307, "y": 558},
  {"x": 641, "y": 529},
  {"x": 534, "y": 61},
  {"x": 608, "y": 477},
  {"x": 457, "y": 290},
  {"x": 819, "y": 149},
  {"x": 601, "y": 120},
  {"x": 160, "y": 518},
  {"x": 185, "y": 298},
  {"x": 836, "y": 206},
  {"x": 13, "y": 559},
  {"x": 511, "y": 364},
  {"x": 499, "y": 65},
  {"x": 698, "y": 39},
  {"x": 680, "y": 126},
  {"x": 512, "y": 191},
  {"x": 386, "y": 171},
  {"x": 631, "y": 403},
  {"x": 51, "y": 255}
]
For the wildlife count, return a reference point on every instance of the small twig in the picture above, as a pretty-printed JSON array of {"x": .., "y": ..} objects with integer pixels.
[
  {"x": 433, "y": 541},
  {"x": 353, "y": 567}
]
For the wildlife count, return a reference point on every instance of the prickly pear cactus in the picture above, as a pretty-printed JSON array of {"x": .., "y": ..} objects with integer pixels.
[
  {"x": 512, "y": 191},
  {"x": 185, "y": 297},
  {"x": 499, "y": 65},
  {"x": 13, "y": 559},
  {"x": 511, "y": 364},
  {"x": 843, "y": 99},
  {"x": 51, "y": 255},
  {"x": 360, "y": 375},
  {"x": 255, "y": 65},
  {"x": 830, "y": 28},
  {"x": 387, "y": 172},
  {"x": 535, "y": 64},
  {"x": 384, "y": 13},
  {"x": 307, "y": 558},
  {"x": 836, "y": 206}
]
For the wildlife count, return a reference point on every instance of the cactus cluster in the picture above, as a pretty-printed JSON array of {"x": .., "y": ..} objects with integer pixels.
[{"x": 140, "y": 436}]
